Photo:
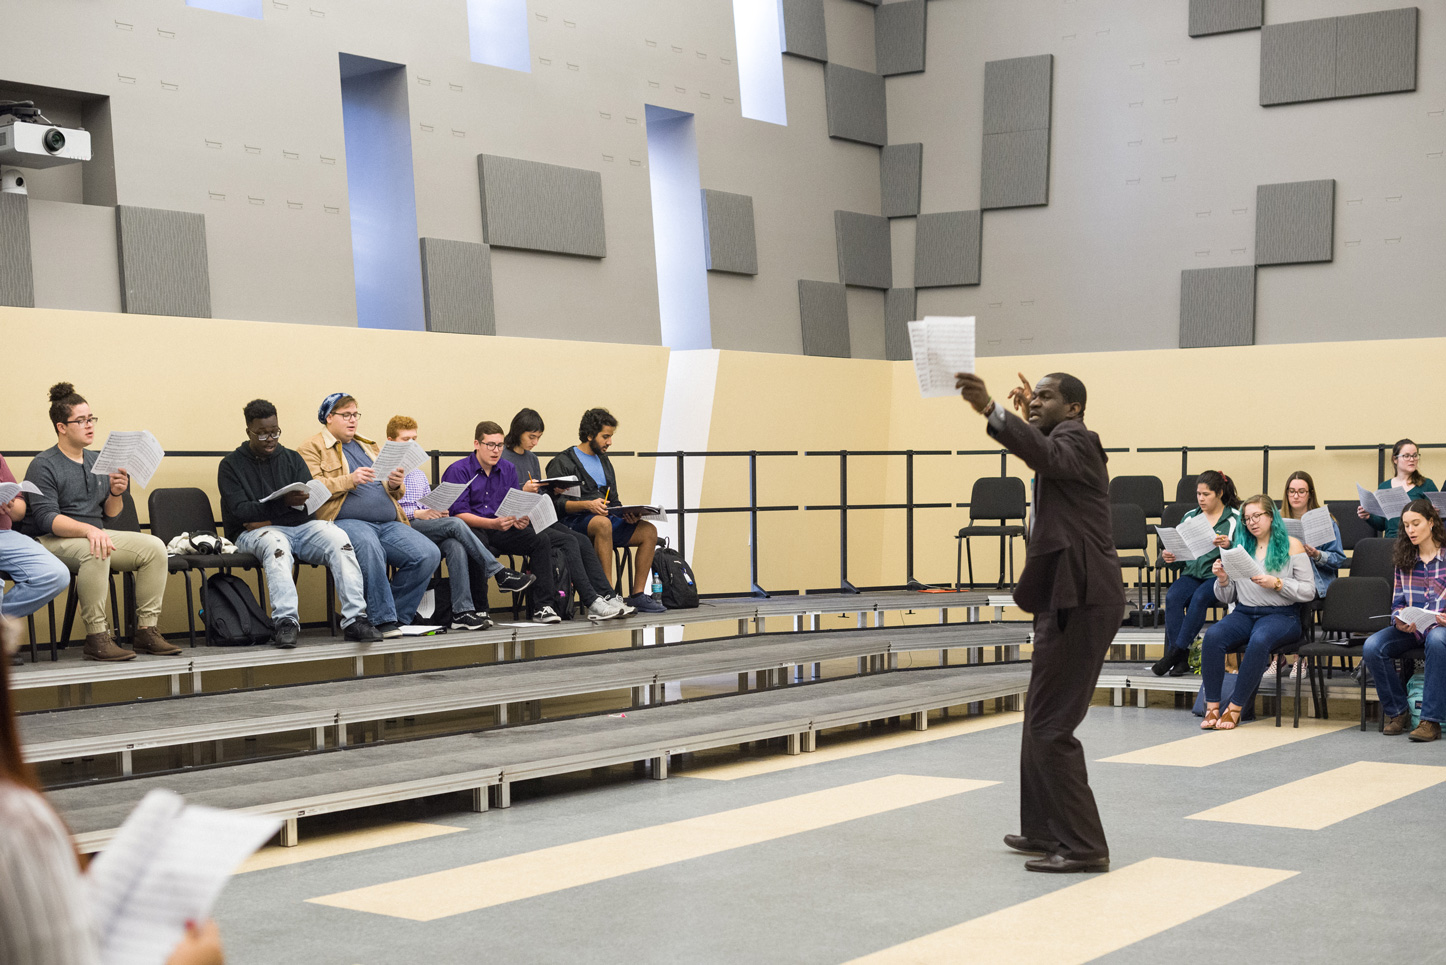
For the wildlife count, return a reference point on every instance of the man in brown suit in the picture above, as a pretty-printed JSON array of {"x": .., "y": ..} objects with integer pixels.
[{"x": 1071, "y": 583}]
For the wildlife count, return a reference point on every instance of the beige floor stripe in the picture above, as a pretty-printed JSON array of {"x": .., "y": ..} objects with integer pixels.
[
  {"x": 1079, "y": 923},
  {"x": 855, "y": 748},
  {"x": 473, "y": 887},
  {"x": 1207, "y": 747},
  {"x": 1324, "y": 799},
  {"x": 344, "y": 842}
]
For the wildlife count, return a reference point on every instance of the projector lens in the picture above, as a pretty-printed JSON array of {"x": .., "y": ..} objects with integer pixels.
[{"x": 54, "y": 141}]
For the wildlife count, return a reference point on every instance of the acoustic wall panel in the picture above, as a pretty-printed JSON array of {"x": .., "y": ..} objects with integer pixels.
[
  {"x": 901, "y": 168},
  {"x": 457, "y": 287},
  {"x": 865, "y": 249},
  {"x": 946, "y": 249},
  {"x": 856, "y": 107},
  {"x": 17, "y": 279},
  {"x": 1295, "y": 222},
  {"x": 1217, "y": 307},
  {"x": 544, "y": 207},
  {"x": 823, "y": 311},
  {"x": 1298, "y": 61},
  {"x": 729, "y": 243},
  {"x": 1225, "y": 16},
  {"x": 899, "y": 30},
  {"x": 1017, "y": 94},
  {"x": 803, "y": 29},
  {"x": 163, "y": 265},
  {"x": 900, "y": 305},
  {"x": 1376, "y": 52},
  {"x": 1015, "y": 170}
]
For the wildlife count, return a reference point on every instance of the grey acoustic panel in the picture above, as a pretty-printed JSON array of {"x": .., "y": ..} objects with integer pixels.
[
  {"x": 823, "y": 311},
  {"x": 1015, "y": 170},
  {"x": 901, "y": 170},
  {"x": 803, "y": 29},
  {"x": 899, "y": 31},
  {"x": 1376, "y": 52},
  {"x": 163, "y": 265},
  {"x": 1017, "y": 94},
  {"x": 865, "y": 249},
  {"x": 1294, "y": 222},
  {"x": 544, "y": 207},
  {"x": 1298, "y": 61},
  {"x": 457, "y": 287},
  {"x": 1225, "y": 16},
  {"x": 900, "y": 305},
  {"x": 1217, "y": 307},
  {"x": 857, "y": 110},
  {"x": 946, "y": 249},
  {"x": 17, "y": 279},
  {"x": 729, "y": 243}
]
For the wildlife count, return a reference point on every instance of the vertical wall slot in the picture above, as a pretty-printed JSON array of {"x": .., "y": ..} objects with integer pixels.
[{"x": 678, "y": 242}]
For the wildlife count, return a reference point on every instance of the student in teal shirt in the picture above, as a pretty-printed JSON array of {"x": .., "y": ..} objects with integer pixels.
[{"x": 1406, "y": 457}]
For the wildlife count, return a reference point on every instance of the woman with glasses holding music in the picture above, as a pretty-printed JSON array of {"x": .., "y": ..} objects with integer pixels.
[
  {"x": 1406, "y": 457},
  {"x": 1192, "y": 593},
  {"x": 1326, "y": 559}
]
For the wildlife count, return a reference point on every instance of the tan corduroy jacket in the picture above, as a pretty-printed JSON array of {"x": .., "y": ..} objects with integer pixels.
[{"x": 323, "y": 456}]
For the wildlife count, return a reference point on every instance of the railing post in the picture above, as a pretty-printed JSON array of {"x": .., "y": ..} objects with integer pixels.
[
  {"x": 1003, "y": 464},
  {"x": 909, "y": 515},
  {"x": 756, "y": 590},
  {"x": 436, "y": 455},
  {"x": 1381, "y": 462},
  {"x": 1184, "y": 461},
  {"x": 844, "y": 585},
  {"x": 682, "y": 510},
  {"x": 1265, "y": 470}
]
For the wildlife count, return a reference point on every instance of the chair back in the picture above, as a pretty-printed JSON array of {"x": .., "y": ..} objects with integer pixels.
[
  {"x": 1356, "y": 605},
  {"x": 182, "y": 510},
  {"x": 126, "y": 520},
  {"x": 1372, "y": 557},
  {"x": 1128, "y": 521},
  {"x": 997, "y": 497},
  {"x": 1146, "y": 492},
  {"x": 1353, "y": 528},
  {"x": 1185, "y": 490},
  {"x": 1174, "y": 513}
]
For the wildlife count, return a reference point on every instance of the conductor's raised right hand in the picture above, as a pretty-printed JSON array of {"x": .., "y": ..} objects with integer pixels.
[{"x": 1021, "y": 395}]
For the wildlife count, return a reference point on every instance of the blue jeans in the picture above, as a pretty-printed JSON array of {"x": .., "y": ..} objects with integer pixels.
[
  {"x": 395, "y": 543},
  {"x": 38, "y": 576},
  {"x": 314, "y": 541},
  {"x": 458, "y": 544},
  {"x": 1256, "y": 629},
  {"x": 1185, "y": 607},
  {"x": 1379, "y": 657}
]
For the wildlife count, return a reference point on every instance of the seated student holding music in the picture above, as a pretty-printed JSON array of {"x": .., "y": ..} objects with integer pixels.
[
  {"x": 1325, "y": 559},
  {"x": 1266, "y": 613},
  {"x": 1406, "y": 458},
  {"x": 590, "y": 511},
  {"x": 280, "y": 530},
  {"x": 459, "y": 545},
  {"x": 1193, "y": 591},
  {"x": 68, "y": 517},
  {"x": 341, "y": 459},
  {"x": 38, "y": 577},
  {"x": 1420, "y": 583}
]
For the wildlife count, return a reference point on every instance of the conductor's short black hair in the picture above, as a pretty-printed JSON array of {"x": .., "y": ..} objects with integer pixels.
[
  {"x": 593, "y": 422},
  {"x": 1071, "y": 389},
  {"x": 257, "y": 409}
]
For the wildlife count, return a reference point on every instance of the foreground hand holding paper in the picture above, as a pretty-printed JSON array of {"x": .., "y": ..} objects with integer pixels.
[
  {"x": 138, "y": 453},
  {"x": 1239, "y": 565},
  {"x": 941, "y": 347},
  {"x": 1368, "y": 501},
  {"x": 315, "y": 488},
  {"x": 398, "y": 455},
  {"x": 1313, "y": 529},
  {"x": 9, "y": 491},
  {"x": 1422, "y": 620},
  {"x": 535, "y": 506}
]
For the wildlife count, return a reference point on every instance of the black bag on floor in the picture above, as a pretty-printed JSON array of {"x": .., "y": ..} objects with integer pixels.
[
  {"x": 441, "y": 612},
  {"x": 562, "y": 583},
  {"x": 680, "y": 590},
  {"x": 231, "y": 614}
]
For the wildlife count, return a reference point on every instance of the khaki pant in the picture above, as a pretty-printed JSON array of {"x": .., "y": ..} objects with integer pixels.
[{"x": 134, "y": 553}]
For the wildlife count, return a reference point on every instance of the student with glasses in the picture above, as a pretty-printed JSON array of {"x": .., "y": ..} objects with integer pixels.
[
  {"x": 1192, "y": 593},
  {"x": 367, "y": 509},
  {"x": 1406, "y": 457},
  {"x": 68, "y": 519},
  {"x": 1266, "y": 613},
  {"x": 1326, "y": 560},
  {"x": 279, "y": 531}
]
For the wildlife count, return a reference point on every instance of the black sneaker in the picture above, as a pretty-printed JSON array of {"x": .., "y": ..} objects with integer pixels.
[
  {"x": 361, "y": 630},
  {"x": 389, "y": 630},
  {"x": 511, "y": 581},
  {"x": 471, "y": 621},
  {"x": 286, "y": 633}
]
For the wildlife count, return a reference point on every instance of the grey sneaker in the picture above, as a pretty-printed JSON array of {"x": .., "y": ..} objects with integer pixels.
[
  {"x": 622, "y": 605},
  {"x": 603, "y": 609}
]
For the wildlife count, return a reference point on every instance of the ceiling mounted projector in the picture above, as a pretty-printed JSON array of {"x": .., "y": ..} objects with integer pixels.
[{"x": 26, "y": 143}]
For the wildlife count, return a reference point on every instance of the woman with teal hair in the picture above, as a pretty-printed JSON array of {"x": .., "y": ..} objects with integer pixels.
[{"x": 1266, "y": 614}]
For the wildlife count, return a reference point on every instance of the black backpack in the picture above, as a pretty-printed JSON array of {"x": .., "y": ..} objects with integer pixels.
[
  {"x": 562, "y": 584},
  {"x": 680, "y": 590},
  {"x": 232, "y": 616}
]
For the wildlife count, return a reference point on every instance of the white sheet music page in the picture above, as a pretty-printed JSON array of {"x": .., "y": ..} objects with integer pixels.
[
  {"x": 1239, "y": 565},
  {"x": 1319, "y": 530},
  {"x": 442, "y": 497},
  {"x": 1368, "y": 501},
  {"x": 319, "y": 495},
  {"x": 1393, "y": 500},
  {"x": 1170, "y": 538},
  {"x": 9, "y": 491},
  {"x": 398, "y": 455},
  {"x": 1198, "y": 534},
  {"x": 535, "y": 506},
  {"x": 296, "y": 487},
  {"x": 1422, "y": 620},
  {"x": 941, "y": 347},
  {"x": 1438, "y": 500},
  {"x": 138, "y": 453}
]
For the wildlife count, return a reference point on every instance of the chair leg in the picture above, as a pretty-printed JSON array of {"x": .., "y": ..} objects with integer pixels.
[
  {"x": 31, "y": 621},
  {"x": 1300, "y": 672},
  {"x": 190, "y": 607},
  {"x": 1279, "y": 689},
  {"x": 958, "y": 562},
  {"x": 206, "y": 623},
  {"x": 969, "y": 555},
  {"x": 1002, "y": 539},
  {"x": 333, "y": 623},
  {"x": 54, "y": 652},
  {"x": 72, "y": 601}
]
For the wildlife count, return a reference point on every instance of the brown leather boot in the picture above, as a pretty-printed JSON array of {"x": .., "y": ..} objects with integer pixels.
[
  {"x": 100, "y": 646},
  {"x": 1429, "y": 730},
  {"x": 149, "y": 640},
  {"x": 1397, "y": 725}
]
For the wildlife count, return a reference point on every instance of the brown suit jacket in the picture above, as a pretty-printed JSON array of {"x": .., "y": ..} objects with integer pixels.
[{"x": 1071, "y": 559}]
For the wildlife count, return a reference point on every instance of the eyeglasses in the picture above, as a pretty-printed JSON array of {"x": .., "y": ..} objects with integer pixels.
[
  {"x": 1254, "y": 516},
  {"x": 494, "y": 446},
  {"x": 89, "y": 420},
  {"x": 347, "y": 416},
  {"x": 1409, "y": 455},
  {"x": 266, "y": 436},
  {"x": 1297, "y": 492}
]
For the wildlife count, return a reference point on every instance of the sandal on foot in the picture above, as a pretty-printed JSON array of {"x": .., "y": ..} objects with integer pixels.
[
  {"x": 1212, "y": 717},
  {"x": 1230, "y": 719}
]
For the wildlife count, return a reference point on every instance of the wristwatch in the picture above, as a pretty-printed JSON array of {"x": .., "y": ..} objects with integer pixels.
[{"x": 1279, "y": 584}]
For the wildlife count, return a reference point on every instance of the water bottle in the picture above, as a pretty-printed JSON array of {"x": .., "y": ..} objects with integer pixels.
[{"x": 657, "y": 587}]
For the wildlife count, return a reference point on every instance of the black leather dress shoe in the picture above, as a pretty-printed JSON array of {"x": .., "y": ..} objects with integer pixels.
[
  {"x": 1028, "y": 845},
  {"x": 1060, "y": 865}
]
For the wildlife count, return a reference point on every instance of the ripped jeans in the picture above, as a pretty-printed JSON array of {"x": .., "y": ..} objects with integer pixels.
[{"x": 315, "y": 541}]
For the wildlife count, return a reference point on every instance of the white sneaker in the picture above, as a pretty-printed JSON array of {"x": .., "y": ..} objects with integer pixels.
[
  {"x": 603, "y": 609},
  {"x": 623, "y": 609},
  {"x": 547, "y": 615},
  {"x": 1297, "y": 669},
  {"x": 1270, "y": 671}
]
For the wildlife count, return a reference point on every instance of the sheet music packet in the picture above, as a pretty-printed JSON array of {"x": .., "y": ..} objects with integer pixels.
[
  {"x": 567, "y": 486},
  {"x": 1388, "y": 502},
  {"x": 1192, "y": 539},
  {"x": 442, "y": 497},
  {"x": 398, "y": 455},
  {"x": 643, "y": 512},
  {"x": 941, "y": 346},
  {"x": 316, "y": 491},
  {"x": 1239, "y": 565},
  {"x": 165, "y": 866},
  {"x": 1422, "y": 620},
  {"x": 1313, "y": 529},
  {"x": 537, "y": 507},
  {"x": 138, "y": 453},
  {"x": 1438, "y": 500},
  {"x": 9, "y": 491}
]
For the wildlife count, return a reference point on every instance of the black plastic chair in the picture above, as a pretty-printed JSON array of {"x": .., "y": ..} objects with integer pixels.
[
  {"x": 1355, "y": 608},
  {"x": 1146, "y": 492},
  {"x": 993, "y": 497},
  {"x": 1353, "y": 528},
  {"x": 1373, "y": 557},
  {"x": 1131, "y": 533},
  {"x": 1171, "y": 517},
  {"x": 30, "y": 621},
  {"x": 188, "y": 510},
  {"x": 1185, "y": 489},
  {"x": 126, "y": 521}
]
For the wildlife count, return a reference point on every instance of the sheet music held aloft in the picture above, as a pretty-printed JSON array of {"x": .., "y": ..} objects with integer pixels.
[
  {"x": 442, "y": 498},
  {"x": 398, "y": 455},
  {"x": 535, "y": 506},
  {"x": 138, "y": 453},
  {"x": 1313, "y": 529},
  {"x": 1192, "y": 539},
  {"x": 166, "y": 865},
  {"x": 1422, "y": 620},
  {"x": 316, "y": 491},
  {"x": 9, "y": 491},
  {"x": 941, "y": 347},
  {"x": 1386, "y": 502},
  {"x": 1239, "y": 565}
]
